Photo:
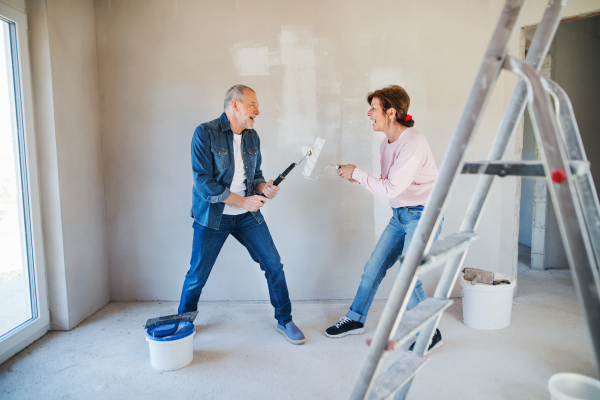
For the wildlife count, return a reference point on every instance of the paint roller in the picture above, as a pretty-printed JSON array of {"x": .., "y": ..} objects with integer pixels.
[
  {"x": 311, "y": 153},
  {"x": 312, "y": 160}
]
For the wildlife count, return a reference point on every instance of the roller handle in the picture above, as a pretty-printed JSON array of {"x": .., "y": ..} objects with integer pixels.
[{"x": 281, "y": 176}]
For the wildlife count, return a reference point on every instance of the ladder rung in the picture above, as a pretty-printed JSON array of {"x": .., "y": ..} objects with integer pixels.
[
  {"x": 444, "y": 249},
  {"x": 519, "y": 168},
  {"x": 396, "y": 375},
  {"x": 416, "y": 318}
]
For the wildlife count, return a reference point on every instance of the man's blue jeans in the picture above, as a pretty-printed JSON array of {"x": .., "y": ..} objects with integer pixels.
[
  {"x": 257, "y": 240},
  {"x": 391, "y": 245}
]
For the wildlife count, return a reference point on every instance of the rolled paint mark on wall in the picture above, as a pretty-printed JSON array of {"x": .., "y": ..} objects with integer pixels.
[
  {"x": 274, "y": 58},
  {"x": 384, "y": 76},
  {"x": 329, "y": 95},
  {"x": 251, "y": 61},
  {"x": 299, "y": 123}
]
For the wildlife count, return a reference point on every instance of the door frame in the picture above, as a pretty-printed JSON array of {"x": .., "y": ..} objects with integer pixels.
[{"x": 31, "y": 330}]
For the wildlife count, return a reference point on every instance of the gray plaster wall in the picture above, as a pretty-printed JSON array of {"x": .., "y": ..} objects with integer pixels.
[
  {"x": 164, "y": 68},
  {"x": 64, "y": 61},
  {"x": 161, "y": 68},
  {"x": 18, "y": 5}
]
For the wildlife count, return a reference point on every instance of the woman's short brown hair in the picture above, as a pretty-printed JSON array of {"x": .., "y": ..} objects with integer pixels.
[{"x": 395, "y": 97}]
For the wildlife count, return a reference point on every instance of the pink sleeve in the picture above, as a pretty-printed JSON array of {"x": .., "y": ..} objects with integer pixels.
[{"x": 405, "y": 168}]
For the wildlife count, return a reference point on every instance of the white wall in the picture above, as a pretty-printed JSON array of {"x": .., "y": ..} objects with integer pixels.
[
  {"x": 164, "y": 68},
  {"x": 18, "y": 5},
  {"x": 63, "y": 43}
]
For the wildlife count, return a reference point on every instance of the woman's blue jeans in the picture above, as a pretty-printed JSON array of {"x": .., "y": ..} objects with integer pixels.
[
  {"x": 391, "y": 245},
  {"x": 257, "y": 240}
]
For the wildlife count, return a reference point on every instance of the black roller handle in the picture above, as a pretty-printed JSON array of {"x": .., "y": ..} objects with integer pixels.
[{"x": 281, "y": 176}]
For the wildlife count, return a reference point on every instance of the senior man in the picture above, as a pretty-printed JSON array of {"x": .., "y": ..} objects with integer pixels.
[{"x": 228, "y": 184}]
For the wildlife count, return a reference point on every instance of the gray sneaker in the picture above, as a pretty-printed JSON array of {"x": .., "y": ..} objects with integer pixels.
[{"x": 291, "y": 332}]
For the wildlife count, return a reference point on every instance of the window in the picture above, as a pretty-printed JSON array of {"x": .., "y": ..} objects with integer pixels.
[
  {"x": 15, "y": 235},
  {"x": 23, "y": 304}
]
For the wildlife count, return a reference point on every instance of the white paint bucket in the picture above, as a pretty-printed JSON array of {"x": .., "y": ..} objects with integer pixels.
[
  {"x": 173, "y": 351},
  {"x": 567, "y": 386},
  {"x": 487, "y": 306}
]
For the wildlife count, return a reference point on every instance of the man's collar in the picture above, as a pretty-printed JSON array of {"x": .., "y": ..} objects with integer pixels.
[{"x": 224, "y": 122}]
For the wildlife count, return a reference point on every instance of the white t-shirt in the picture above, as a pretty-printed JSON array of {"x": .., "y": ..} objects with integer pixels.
[{"x": 238, "y": 184}]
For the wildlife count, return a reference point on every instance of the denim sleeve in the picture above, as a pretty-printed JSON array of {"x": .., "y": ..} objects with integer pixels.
[
  {"x": 258, "y": 174},
  {"x": 202, "y": 167}
]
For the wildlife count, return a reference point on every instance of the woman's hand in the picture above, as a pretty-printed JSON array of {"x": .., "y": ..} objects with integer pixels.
[{"x": 345, "y": 171}]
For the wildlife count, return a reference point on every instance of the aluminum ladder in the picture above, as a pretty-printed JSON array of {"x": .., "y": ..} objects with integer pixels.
[{"x": 571, "y": 188}]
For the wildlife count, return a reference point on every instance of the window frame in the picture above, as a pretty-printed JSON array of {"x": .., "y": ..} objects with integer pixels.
[{"x": 31, "y": 330}]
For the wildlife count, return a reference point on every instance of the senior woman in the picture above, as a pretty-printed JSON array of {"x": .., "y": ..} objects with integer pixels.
[{"x": 408, "y": 172}]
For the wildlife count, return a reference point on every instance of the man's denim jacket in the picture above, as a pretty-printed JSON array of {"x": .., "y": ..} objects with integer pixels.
[{"x": 213, "y": 166}]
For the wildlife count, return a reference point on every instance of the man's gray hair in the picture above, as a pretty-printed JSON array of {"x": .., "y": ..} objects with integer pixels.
[{"x": 236, "y": 92}]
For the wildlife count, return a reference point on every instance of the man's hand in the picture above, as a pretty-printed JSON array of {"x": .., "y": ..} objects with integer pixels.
[
  {"x": 268, "y": 189},
  {"x": 345, "y": 171},
  {"x": 253, "y": 203}
]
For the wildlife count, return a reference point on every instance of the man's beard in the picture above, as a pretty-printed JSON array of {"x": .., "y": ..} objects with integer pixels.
[{"x": 247, "y": 123}]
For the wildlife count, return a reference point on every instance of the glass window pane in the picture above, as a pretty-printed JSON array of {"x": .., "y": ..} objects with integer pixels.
[{"x": 15, "y": 294}]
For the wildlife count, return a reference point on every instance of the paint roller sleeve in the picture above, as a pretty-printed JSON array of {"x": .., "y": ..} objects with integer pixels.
[{"x": 311, "y": 161}]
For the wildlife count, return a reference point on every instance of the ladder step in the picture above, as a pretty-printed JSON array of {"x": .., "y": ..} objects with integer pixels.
[
  {"x": 444, "y": 249},
  {"x": 388, "y": 382},
  {"x": 519, "y": 168},
  {"x": 416, "y": 318}
]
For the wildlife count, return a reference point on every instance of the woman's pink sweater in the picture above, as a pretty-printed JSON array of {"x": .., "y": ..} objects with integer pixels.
[{"x": 408, "y": 171}]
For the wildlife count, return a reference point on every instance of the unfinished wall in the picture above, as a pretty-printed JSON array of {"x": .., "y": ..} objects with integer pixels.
[
  {"x": 18, "y": 5},
  {"x": 164, "y": 68},
  {"x": 65, "y": 83}
]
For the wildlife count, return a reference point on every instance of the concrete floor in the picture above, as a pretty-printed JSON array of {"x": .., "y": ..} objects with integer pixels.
[{"x": 239, "y": 355}]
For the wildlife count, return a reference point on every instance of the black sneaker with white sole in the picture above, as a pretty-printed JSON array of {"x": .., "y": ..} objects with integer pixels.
[
  {"x": 436, "y": 342},
  {"x": 344, "y": 327}
]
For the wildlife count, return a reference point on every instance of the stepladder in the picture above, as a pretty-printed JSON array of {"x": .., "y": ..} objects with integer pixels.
[{"x": 562, "y": 163}]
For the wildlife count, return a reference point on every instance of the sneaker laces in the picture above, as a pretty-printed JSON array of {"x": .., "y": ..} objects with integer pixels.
[{"x": 342, "y": 321}]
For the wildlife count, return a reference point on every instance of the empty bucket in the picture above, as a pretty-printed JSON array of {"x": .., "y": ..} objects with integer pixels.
[
  {"x": 568, "y": 386},
  {"x": 488, "y": 306},
  {"x": 173, "y": 351}
]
